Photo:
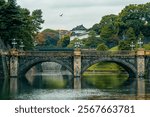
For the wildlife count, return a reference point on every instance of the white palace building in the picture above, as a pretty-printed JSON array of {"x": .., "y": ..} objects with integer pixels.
[{"x": 79, "y": 32}]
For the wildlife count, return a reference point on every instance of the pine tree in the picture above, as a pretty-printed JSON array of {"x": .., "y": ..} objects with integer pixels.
[
  {"x": 18, "y": 23},
  {"x": 130, "y": 34}
]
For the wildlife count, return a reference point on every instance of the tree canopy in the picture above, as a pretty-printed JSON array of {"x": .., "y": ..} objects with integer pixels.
[
  {"x": 132, "y": 23},
  {"x": 18, "y": 23},
  {"x": 102, "y": 47},
  {"x": 64, "y": 41}
]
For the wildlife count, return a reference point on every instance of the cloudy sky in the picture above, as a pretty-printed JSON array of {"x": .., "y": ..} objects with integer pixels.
[{"x": 75, "y": 12}]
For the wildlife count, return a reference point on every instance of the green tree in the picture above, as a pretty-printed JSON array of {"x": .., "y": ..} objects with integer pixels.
[
  {"x": 37, "y": 20},
  {"x": 106, "y": 32},
  {"x": 72, "y": 42},
  {"x": 2, "y": 2},
  {"x": 129, "y": 38},
  {"x": 109, "y": 30},
  {"x": 141, "y": 36},
  {"x": 92, "y": 41},
  {"x": 135, "y": 16},
  {"x": 63, "y": 42},
  {"x": 124, "y": 45},
  {"x": 102, "y": 47},
  {"x": 109, "y": 21},
  {"x": 109, "y": 37},
  {"x": 17, "y": 22},
  {"x": 96, "y": 28},
  {"x": 130, "y": 35},
  {"x": 146, "y": 19},
  {"x": 31, "y": 26},
  {"x": 10, "y": 21}
]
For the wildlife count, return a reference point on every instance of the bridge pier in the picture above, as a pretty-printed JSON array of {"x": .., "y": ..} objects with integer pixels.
[
  {"x": 77, "y": 83},
  {"x": 140, "y": 87},
  {"x": 13, "y": 66},
  {"x": 140, "y": 63},
  {"x": 13, "y": 85},
  {"x": 77, "y": 63},
  {"x": 77, "y": 69},
  {"x": 13, "y": 72}
]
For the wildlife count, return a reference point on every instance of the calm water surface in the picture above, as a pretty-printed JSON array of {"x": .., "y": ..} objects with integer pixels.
[
  {"x": 93, "y": 86},
  {"x": 60, "y": 86}
]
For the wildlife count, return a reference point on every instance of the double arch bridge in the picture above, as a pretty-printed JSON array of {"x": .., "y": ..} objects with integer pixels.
[{"x": 77, "y": 61}]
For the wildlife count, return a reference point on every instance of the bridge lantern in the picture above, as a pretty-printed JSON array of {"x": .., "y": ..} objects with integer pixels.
[
  {"x": 21, "y": 45},
  {"x": 78, "y": 44},
  {"x": 140, "y": 43},
  {"x": 14, "y": 43},
  {"x": 132, "y": 46}
]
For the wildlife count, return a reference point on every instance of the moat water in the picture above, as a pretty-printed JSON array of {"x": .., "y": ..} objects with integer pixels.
[{"x": 59, "y": 86}]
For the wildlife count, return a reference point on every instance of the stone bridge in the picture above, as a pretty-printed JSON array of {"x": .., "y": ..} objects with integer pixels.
[{"x": 77, "y": 61}]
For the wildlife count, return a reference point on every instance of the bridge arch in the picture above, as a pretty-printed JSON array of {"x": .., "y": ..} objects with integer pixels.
[
  {"x": 126, "y": 65},
  {"x": 26, "y": 65}
]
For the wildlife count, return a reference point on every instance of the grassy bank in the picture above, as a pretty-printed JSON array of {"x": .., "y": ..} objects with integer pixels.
[
  {"x": 105, "y": 66},
  {"x": 147, "y": 46}
]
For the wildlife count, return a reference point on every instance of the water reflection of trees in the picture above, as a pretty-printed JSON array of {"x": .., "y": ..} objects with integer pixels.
[{"x": 104, "y": 81}]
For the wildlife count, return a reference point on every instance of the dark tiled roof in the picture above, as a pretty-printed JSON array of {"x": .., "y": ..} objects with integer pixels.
[{"x": 80, "y": 27}]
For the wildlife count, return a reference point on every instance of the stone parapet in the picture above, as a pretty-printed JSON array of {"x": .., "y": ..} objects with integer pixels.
[{"x": 140, "y": 52}]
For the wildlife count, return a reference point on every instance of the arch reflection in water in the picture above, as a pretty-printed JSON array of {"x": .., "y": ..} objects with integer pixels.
[
  {"x": 49, "y": 75},
  {"x": 58, "y": 84},
  {"x": 90, "y": 90},
  {"x": 113, "y": 79}
]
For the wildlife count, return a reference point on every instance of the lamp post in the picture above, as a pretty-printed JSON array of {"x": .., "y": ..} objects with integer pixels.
[
  {"x": 78, "y": 44},
  {"x": 132, "y": 46},
  {"x": 21, "y": 45},
  {"x": 140, "y": 43},
  {"x": 14, "y": 43}
]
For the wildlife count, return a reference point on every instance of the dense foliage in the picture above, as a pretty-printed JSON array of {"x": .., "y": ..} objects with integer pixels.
[
  {"x": 53, "y": 38},
  {"x": 64, "y": 41},
  {"x": 18, "y": 23},
  {"x": 48, "y": 38},
  {"x": 102, "y": 47},
  {"x": 132, "y": 23}
]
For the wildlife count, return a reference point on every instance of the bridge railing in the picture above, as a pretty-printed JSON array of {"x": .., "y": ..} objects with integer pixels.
[
  {"x": 147, "y": 52},
  {"x": 107, "y": 53},
  {"x": 84, "y": 52},
  {"x": 2, "y": 52},
  {"x": 46, "y": 53}
]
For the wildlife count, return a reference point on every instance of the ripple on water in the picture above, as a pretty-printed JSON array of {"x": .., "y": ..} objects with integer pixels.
[{"x": 61, "y": 94}]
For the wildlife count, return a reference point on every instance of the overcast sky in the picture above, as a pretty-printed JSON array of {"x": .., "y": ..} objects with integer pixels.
[{"x": 75, "y": 12}]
